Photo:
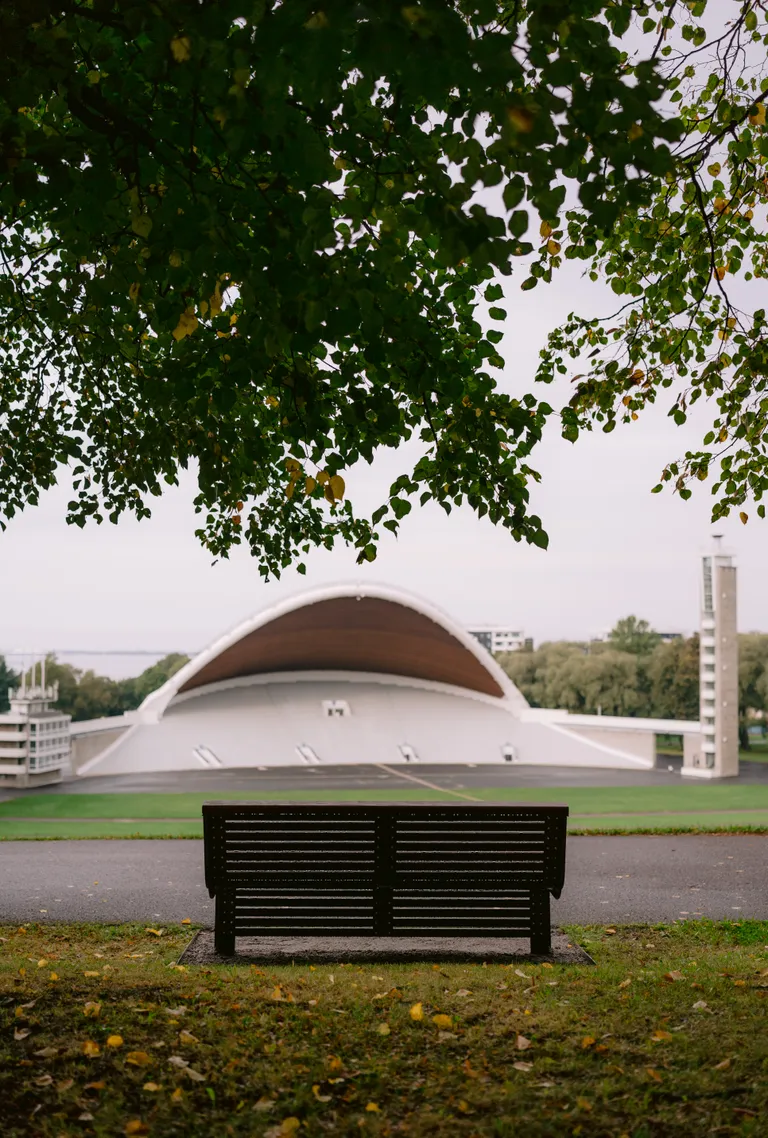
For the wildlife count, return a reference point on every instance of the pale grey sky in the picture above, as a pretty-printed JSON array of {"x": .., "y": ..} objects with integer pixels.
[{"x": 614, "y": 547}]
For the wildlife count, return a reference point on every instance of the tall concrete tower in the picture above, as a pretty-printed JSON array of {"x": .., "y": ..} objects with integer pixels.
[{"x": 717, "y": 753}]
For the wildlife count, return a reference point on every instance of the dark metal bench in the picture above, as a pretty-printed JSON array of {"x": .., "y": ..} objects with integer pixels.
[{"x": 383, "y": 870}]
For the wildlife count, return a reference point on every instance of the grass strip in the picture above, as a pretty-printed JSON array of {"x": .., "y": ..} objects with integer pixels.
[{"x": 101, "y": 1033}]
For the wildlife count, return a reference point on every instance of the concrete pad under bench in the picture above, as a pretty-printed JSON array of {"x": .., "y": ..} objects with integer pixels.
[{"x": 381, "y": 950}]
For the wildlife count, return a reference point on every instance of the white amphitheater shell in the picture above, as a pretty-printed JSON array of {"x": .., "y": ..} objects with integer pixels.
[{"x": 352, "y": 674}]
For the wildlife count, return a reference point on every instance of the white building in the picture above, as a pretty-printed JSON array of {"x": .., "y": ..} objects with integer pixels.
[
  {"x": 34, "y": 737},
  {"x": 500, "y": 639},
  {"x": 352, "y": 674},
  {"x": 717, "y": 754}
]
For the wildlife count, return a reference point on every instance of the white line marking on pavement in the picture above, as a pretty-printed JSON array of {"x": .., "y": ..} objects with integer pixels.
[{"x": 423, "y": 782}]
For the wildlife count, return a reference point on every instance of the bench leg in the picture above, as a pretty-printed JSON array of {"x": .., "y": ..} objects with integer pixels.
[
  {"x": 224, "y": 925},
  {"x": 541, "y": 933}
]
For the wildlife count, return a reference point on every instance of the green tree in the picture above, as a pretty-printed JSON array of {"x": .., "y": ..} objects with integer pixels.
[
  {"x": 578, "y": 678},
  {"x": 252, "y": 237},
  {"x": 8, "y": 679},
  {"x": 753, "y": 680},
  {"x": 633, "y": 635},
  {"x": 673, "y": 672},
  {"x": 137, "y": 689}
]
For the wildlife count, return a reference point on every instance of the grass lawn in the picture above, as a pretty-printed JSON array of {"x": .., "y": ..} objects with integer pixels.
[
  {"x": 100, "y": 1034},
  {"x": 672, "y": 808}
]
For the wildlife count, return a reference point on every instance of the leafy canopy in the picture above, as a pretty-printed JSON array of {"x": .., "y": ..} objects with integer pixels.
[{"x": 251, "y": 238}]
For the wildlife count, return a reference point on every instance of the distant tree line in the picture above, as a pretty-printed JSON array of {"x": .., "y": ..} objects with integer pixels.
[
  {"x": 86, "y": 695},
  {"x": 633, "y": 672}
]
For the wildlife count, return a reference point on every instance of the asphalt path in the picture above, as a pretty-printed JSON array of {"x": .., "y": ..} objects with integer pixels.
[{"x": 609, "y": 880}]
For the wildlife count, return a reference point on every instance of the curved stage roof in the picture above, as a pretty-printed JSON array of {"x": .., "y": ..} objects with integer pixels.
[{"x": 346, "y": 674}]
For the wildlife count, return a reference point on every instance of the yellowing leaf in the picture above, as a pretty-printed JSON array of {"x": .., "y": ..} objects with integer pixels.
[
  {"x": 653, "y": 1074},
  {"x": 186, "y": 921},
  {"x": 625, "y": 983},
  {"x": 384, "y": 1029},
  {"x": 318, "y": 1096},
  {"x": 521, "y": 1065},
  {"x": 21, "y": 1033},
  {"x": 133, "y": 291},
  {"x": 417, "y": 1011},
  {"x": 673, "y": 976},
  {"x": 92, "y": 1010},
  {"x": 53, "y": 975},
  {"x": 181, "y": 48},
  {"x": 177, "y": 1095},
  {"x": 42, "y": 963},
  {"x": 91, "y": 973},
  {"x": 723, "y": 1066},
  {"x": 587, "y": 1041},
  {"x": 93, "y": 77},
  {"x": 720, "y": 272},
  {"x": 187, "y": 1037},
  {"x": 545, "y": 229},
  {"x": 442, "y": 1020},
  {"x": 150, "y": 1087},
  {"x": 553, "y": 247},
  {"x": 610, "y": 932},
  {"x": 100, "y": 1085},
  {"x": 660, "y": 1036},
  {"x": 138, "y": 1058},
  {"x": 142, "y": 225},
  {"x": 372, "y": 1107},
  {"x": 521, "y": 1043},
  {"x": 216, "y": 300},
  {"x": 194, "y": 1075},
  {"x": 115, "y": 1041},
  {"x": 90, "y": 1049},
  {"x": 185, "y": 327},
  {"x": 175, "y": 260},
  {"x": 521, "y": 119},
  {"x": 337, "y": 487},
  {"x": 310, "y": 485},
  {"x": 758, "y": 117},
  {"x": 136, "y": 1126},
  {"x": 583, "y": 1103},
  {"x": 635, "y": 131}
]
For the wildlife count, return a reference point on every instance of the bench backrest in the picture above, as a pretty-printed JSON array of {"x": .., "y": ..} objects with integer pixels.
[{"x": 427, "y": 868}]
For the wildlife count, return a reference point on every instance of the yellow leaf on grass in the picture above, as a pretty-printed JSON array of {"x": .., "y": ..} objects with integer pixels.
[
  {"x": 383, "y": 1029},
  {"x": 583, "y": 1103},
  {"x": 186, "y": 921},
  {"x": 21, "y": 1033},
  {"x": 660, "y": 1036},
  {"x": 187, "y": 1037},
  {"x": 723, "y": 1066},
  {"x": 521, "y": 1065},
  {"x": 417, "y": 1011},
  {"x": 90, "y": 1048},
  {"x": 53, "y": 975},
  {"x": 43, "y": 963},
  {"x": 181, "y": 48},
  {"x": 136, "y": 1126},
  {"x": 625, "y": 983},
  {"x": 610, "y": 932},
  {"x": 92, "y": 1010},
  {"x": 318, "y": 1096},
  {"x": 138, "y": 1058},
  {"x": 673, "y": 976},
  {"x": 372, "y": 1107},
  {"x": 521, "y": 1043},
  {"x": 91, "y": 973},
  {"x": 587, "y": 1041},
  {"x": 442, "y": 1020},
  {"x": 150, "y": 1087},
  {"x": 653, "y": 1074},
  {"x": 177, "y": 1095},
  {"x": 114, "y": 1041},
  {"x": 97, "y": 1086}
]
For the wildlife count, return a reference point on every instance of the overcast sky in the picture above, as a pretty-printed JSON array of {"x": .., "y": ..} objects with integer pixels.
[{"x": 614, "y": 549}]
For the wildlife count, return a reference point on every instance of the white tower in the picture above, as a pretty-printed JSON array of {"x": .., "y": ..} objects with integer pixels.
[{"x": 717, "y": 754}]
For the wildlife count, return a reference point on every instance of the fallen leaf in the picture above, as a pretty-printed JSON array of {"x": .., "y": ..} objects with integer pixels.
[
  {"x": 701, "y": 1006},
  {"x": 177, "y": 1095},
  {"x": 194, "y": 1075},
  {"x": 372, "y": 1107},
  {"x": 443, "y": 1021},
  {"x": 522, "y": 974},
  {"x": 318, "y": 1096},
  {"x": 187, "y": 1037},
  {"x": 42, "y": 963},
  {"x": 43, "y": 1081},
  {"x": 47, "y": 1053},
  {"x": 176, "y": 1061},
  {"x": 91, "y": 973},
  {"x": 660, "y": 1036},
  {"x": 672, "y": 976},
  {"x": 383, "y": 1029},
  {"x": 98, "y": 1086},
  {"x": 114, "y": 1041},
  {"x": 92, "y": 1010},
  {"x": 417, "y": 1012},
  {"x": 186, "y": 921},
  {"x": 85, "y": 1116},
  {"x": 625, "y": 983},
  {"x": 653, "y": 1074},
  {"x": 520, "y": 1065},
  {"x": 521, "y": 1043},
  {"x": 179, "y": 1011},
  {"x": 287, "y": 1126},
  {"x": 150, "y": 1087},
  {"x": 610, "y": 932},
  {"x": 264, "y": 1103},
  {"x": 464, "y": 992},
  {"x": 739, "y": 983},
  {"x": 444, "y": 1036},
  {"x": 722, "y": 1066},
  {"x": 20, "y": 1033},
  {"x": 136, "y": 1126},
  {"x": 587, "y": 1041},
  {"x": 156, "y": 932},
  {"x": 583, "y": 1103},
  {"x": 53, "y": 975},
  {"x": 90, "y": 1048},
  {"x": 138, "y": 1058},
  {"x": 65, "y": 1084}
]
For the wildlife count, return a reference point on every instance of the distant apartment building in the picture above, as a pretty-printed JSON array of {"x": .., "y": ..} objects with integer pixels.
[
  {"x": 34, "y": 737},
  {"x": 501, "y": 639}
]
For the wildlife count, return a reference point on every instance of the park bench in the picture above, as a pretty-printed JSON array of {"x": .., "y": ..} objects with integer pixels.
[{"x": 383, "y": 870}]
